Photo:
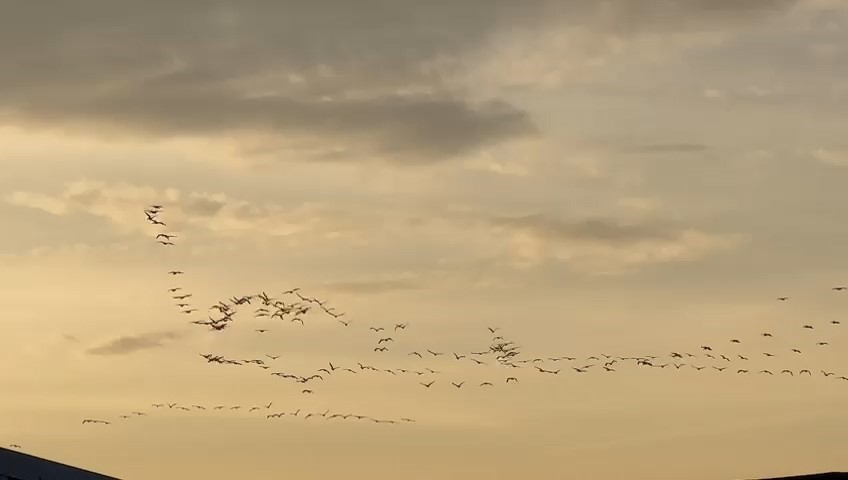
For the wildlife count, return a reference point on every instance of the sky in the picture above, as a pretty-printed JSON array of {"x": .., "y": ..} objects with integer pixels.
[{"x": 592, "y": 177}]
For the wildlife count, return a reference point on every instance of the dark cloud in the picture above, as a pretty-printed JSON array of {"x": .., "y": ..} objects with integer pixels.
[
  {"x": 129, "y": 344},
  {"x": 669, "y": 148},
  {"x": 593, "y": 230},
  {"x": 86, "y": 198},
  {"x": 203, "y": 206},
  {"x": 209, "y": 68},
  {"x": 374, "y": 286}
]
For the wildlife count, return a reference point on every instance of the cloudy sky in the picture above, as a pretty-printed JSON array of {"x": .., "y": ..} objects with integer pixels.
[{"x": 629, "y": 177}]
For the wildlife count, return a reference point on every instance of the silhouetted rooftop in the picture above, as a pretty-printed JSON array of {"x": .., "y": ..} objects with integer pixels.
[
  {"x": 18, "y": 465},
  {"x": 814, "y": 476}
]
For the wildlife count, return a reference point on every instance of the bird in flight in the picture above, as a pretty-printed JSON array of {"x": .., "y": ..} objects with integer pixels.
[
  {"x": 175, "y": 272},
  {"x": 838, "y": 289},
  {"x": 428, "y": 385},
  {"x": 88, "y": 420},
  {"x": 783, "y": 299}
]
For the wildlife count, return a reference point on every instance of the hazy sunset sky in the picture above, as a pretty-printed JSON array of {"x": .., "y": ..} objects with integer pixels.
[{"x": 621, "y": 177}]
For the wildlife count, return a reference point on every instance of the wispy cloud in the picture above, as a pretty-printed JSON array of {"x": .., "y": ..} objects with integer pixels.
[
  {"x": 668, "y": 148},
  {"x": 376, "y": 285},
  {"x": 121, "y": 205},
  {"x": 607, "y": 246},
  {"x": 830, "y": 157},
  {"x": 133, "y": 343}
]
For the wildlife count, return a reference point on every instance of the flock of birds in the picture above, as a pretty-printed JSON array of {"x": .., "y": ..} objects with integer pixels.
[{"x": 500, "y": 354}]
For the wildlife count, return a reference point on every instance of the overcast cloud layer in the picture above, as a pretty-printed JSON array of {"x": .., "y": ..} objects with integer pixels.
[{"x": 400, "y": 80}]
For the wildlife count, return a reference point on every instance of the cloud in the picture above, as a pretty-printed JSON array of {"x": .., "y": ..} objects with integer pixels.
[
  {"x": 399, "y": 80},
  {"x": 375, "y": 286},
  {"x": 669, "y": 148},
  {"x": 606, "y": 246},
  {"x": 713, "y": 93},
  {"x": 594, "y": 244},
  {"x": 830, "y": 157},
  {"x": 122, "y": 203},
  {"x": 128, "y": 344}
]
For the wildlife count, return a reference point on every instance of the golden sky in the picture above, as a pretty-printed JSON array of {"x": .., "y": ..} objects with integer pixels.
[{"x": 592, "y": 177}]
